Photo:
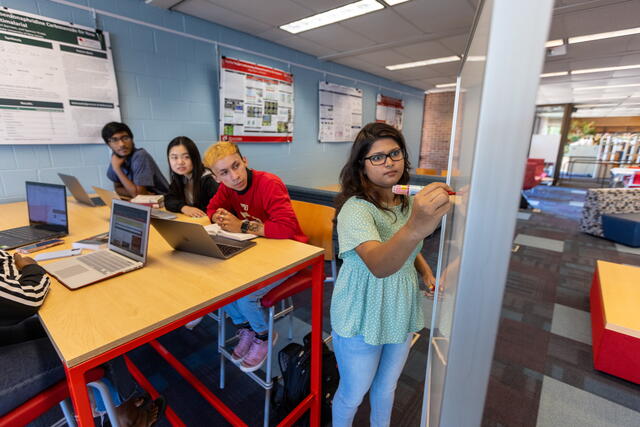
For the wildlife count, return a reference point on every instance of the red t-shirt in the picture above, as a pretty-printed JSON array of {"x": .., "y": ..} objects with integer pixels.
[{"x": 266, "y": 200}]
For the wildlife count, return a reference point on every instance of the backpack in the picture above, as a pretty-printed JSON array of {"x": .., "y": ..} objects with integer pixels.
[{"x": 295, "y": 365}]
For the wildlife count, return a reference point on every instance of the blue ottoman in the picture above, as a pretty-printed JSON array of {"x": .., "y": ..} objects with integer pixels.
[{"x": 622, "y": 228}]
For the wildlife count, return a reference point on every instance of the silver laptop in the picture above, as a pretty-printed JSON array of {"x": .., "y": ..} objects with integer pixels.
[
  {"x": 47, "y": 204},
  {"x": 108, "y": 196},
  {"x": 78, "y": 192},
  {"x": 191, "y": 237},
  {"x": 126, "y": 250}
]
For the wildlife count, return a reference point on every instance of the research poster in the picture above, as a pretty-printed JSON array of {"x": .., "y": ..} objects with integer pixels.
[
  {"x": 340, "y": 112},
  {"x": 57, "y": 82},
  {"x": 256, "y": 102},
  {"x": 390, "y": 111}
]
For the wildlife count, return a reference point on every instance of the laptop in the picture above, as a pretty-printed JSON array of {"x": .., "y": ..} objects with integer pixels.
[
  {"x": 48, "y": 219},
  {"x": 126, "y": 250},
  {"x": 108, "y": 196},
  {"x": 78, "y": 192},
  {"x": 192, "y": 237}
]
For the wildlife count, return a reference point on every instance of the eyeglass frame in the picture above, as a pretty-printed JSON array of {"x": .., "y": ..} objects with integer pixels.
[
  {"x": 386, "y": 155},
  {"x": 123, "y": 138}
]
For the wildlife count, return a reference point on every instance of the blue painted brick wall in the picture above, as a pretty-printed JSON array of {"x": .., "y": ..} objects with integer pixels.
[{"x": 168, "y": 86}]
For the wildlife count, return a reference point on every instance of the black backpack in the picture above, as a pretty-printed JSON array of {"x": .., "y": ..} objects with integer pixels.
[{"x": 295, "y": 365}]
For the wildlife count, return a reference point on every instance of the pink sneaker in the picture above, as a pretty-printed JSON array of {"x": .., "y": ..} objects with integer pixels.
[
  {"x": 257, "y": 354},
  {"x": 242, "y": 348}
]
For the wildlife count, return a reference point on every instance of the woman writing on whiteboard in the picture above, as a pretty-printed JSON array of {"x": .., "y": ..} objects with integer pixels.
[{"x": 376, "y": 304}]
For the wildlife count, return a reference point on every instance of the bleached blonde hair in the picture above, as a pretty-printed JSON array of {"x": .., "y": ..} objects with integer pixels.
[{"x": 219, "y": 150}]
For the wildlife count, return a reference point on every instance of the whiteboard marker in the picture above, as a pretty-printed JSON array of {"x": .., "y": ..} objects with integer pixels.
[{"x": 412, "y": 190}]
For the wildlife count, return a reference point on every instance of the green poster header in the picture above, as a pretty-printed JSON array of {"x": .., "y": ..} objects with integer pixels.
[
  {"x": 81, "y": 51},
  {"x": 41, "y": 28},
  {"x": 21, "y": 40}
]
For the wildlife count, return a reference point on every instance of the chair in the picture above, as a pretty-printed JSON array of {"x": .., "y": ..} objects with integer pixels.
[
  {"x": 444, "y": 172},
  {"x": 317, "y": 223},
  {"x": 58, "y": 393},
  {"x": 427, "y": 171}
]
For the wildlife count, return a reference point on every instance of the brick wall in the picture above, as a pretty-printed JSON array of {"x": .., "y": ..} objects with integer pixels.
[{"x": 436, "y": 130}]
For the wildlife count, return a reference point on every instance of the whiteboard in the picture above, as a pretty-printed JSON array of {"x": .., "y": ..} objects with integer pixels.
[{"x": 57, "y": 81}]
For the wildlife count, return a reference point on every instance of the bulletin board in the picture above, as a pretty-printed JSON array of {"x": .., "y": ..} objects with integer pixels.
[
  {"x": 256, "y": 102},
  {"x": 57, "y": 81},
  {"x": 390, "y": 111},
  {"x": 340, "y": 112}
]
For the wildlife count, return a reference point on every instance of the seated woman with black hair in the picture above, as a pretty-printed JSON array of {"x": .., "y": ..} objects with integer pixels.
[{"x": 192, "y": 184}]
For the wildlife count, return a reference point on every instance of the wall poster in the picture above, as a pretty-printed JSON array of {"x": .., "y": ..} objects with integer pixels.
[
  {"x": 340, "y": 112},
  {"x": 256, "y": 102},
  {"x": 390, "y": 111},
  {"x": 57, "y": 82}
]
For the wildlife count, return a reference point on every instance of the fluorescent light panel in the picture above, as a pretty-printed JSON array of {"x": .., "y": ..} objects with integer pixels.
[
  {"x": 554, "y": 43},
  {"x": 607, "y": 87},
  {"x": 601, "y": 70},
  {"x": 394, "y": 2},
  {"x": 332, "y": 16},
  {"x": 600, "y": 36},
  {"x": 440, "y": 86},
  {"x": 556, "y": 74},
  {"x": 422, "y": 63}
]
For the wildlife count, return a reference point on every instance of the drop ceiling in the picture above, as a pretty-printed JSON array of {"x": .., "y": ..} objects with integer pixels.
[{"x": 426, "y": 29}]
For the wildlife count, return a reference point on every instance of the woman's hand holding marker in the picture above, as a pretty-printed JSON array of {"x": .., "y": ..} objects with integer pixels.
[{"x": 429, "y": 206}]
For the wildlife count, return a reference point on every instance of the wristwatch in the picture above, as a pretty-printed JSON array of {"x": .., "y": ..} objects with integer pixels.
[{"x": 245, "y": 226}]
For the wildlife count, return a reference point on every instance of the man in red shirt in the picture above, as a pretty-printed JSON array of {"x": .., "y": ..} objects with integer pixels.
[{"x": 256, "y": 202}]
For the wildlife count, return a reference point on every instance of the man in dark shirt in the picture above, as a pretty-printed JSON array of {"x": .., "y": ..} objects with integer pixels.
[{"x": 132, "y": 170}]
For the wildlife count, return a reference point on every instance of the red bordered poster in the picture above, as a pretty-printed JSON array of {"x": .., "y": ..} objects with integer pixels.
[
  {"x": 390, "y": 111},
  {"x": 256, "y": 103}
]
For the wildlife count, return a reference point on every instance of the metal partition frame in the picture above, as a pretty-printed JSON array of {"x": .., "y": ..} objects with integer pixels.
[{"x": 488, "y": 174}]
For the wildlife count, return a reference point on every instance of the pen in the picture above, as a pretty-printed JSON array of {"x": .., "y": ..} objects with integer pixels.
[{"x": 411, "y": 190}]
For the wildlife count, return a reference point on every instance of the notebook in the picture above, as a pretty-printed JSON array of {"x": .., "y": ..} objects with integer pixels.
[
  {"x": 47, "y": 204},
  {"x": 125, "y": 252},
  {"x": 191, "y": 237},
  {"x": 78, "y": 192}
]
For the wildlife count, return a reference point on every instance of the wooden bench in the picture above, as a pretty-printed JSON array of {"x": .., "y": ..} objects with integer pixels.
[{"x": 615, "y": 320}]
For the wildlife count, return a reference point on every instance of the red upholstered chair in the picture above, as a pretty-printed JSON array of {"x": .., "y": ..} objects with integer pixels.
[
  {"x": 54, "y": 395},
  {"x": 533, "y": 173},
  {"x": 317, "y": 223}
]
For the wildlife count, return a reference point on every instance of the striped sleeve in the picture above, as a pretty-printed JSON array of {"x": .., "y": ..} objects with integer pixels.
[{"x": 28, "y": 287}]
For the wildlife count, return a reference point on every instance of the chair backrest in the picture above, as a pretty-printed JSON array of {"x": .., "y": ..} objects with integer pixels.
[
  {"x": 317, "y": 223},
  {"x": 427, "y": 171},
  {"x": 444, "y": 172}
]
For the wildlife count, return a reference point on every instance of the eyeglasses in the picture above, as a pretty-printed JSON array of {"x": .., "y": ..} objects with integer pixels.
[
  {"x": 381, "y": 159},
  {"x": 124, "y": 138}
]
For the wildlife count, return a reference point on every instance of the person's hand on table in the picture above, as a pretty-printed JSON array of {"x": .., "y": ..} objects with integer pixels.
[
  {"x": 227, "y": 221},
  {"x": 192, "y": 211},
  {"x": 22, "y": 261}
]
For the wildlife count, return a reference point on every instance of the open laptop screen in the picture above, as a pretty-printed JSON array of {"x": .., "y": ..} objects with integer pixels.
[
  {"x": 47, "y": 205},
  {"x": 129, "y": 229}
]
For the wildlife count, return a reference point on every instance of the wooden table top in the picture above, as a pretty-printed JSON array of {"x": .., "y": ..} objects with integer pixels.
[
  {"x": 620, "y": 287},
  {"x": 89, "y": 321}
]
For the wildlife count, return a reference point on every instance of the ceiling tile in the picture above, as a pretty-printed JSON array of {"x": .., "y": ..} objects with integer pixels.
[
  {"x": 322, "y": 5},
  {"x": 271, "y": 12},
  {"x": 385, "y": 57},
  {"x": 306, "y": 46},
  {"x": 425, "y": 50},
  {"x": 337, "y": 37},
  {"x": 597, "y": 48},
  {"x": 436, "y": 16},
  {"x": 383, "y": 26},
  {"x": 455, "y": 43},
  {"x": 205, "y": 10},
  {"x": 603, "y": 19}
]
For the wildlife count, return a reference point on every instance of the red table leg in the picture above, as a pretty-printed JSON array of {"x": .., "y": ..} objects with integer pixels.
[
  {"x": 316, "y": 342},
  {"x": 79, "y": 395}
]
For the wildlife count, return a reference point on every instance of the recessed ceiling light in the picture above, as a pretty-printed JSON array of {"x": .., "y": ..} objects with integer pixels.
[
  {"x": 595, "y": 105},
  {"x": 476, "y": 58},
  {"x": 607, "y": 87},
  {"x": 559, "y": 73},
  {"x": 446, "y": 85},
  {"x": 600, "y": 36},
  {"x": 332, "y": 16},
  {"x": 394, "y": 2},
  {"x": 600, "y": 70},
  {"x": 554, "y": 43},
  {"x": 422, "y": 63}
]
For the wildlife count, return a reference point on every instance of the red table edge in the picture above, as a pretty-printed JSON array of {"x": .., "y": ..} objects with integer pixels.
[{"x": 76, "y": 374}]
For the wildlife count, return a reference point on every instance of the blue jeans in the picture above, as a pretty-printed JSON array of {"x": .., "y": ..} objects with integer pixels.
[
  {"x": 364, "y": 367},
  {"x": 249, "y": 309}
]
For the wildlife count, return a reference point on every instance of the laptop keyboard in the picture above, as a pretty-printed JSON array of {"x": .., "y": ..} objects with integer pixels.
[
  {"x": 27, "y": 233},
  {"x": 105, "y": 262},
  {"x": 228, "y": 250}
]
